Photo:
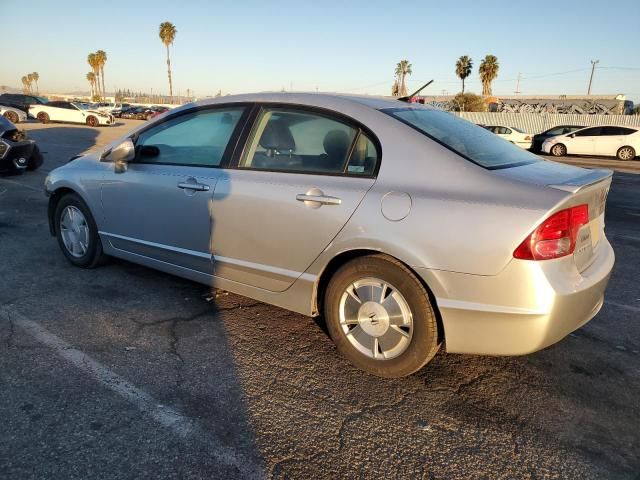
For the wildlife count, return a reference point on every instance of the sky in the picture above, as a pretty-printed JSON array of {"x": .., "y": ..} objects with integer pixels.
[{"x": 347, "y": 46}]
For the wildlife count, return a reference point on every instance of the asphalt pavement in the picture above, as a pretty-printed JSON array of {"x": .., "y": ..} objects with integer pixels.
[{"x": 125, "y": 372}]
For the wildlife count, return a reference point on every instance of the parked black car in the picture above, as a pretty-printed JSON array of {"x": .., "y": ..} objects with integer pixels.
[
  {"x": 538, "y": 139},
  {"x": 17, "y": 151},
  {"x": 139, "y": 113},
  {"x": 21, "y": 101}
]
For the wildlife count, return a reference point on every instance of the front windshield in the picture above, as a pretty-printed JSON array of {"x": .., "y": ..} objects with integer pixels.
[
  {"x": 81, "y": 106},
  {"x": 465, "y": 138}
]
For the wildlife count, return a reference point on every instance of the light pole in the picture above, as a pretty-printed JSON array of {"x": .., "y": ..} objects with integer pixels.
[{"x": 593, "y": 67}]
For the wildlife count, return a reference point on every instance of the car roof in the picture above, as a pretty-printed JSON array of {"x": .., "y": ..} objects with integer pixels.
[{"x": 305, "y": 98}]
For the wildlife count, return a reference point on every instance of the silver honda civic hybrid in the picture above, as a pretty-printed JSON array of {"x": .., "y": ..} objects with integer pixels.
[{"x": 404, "y": 226}]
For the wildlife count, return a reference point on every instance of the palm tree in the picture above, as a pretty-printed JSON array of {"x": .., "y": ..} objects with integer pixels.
[
  {"x": 92, "y": 80},
  {"x": 92, "y": 60},
  {"x": 25, "y": 84},
  {"x": 488, "y": 72},
  {"x": 36, "y": 77},
  {"x": 464, "y": 65},
  {"x": 167, "y": 35},
  {"x": 403, "y": 68},
  {"x": 102, "y": 59},
  {"x": 30, "y": 81}
]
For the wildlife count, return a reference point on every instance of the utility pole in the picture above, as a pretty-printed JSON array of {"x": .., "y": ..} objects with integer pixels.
[
  {"x": 517, "y": 92},
  {"x": 593, "y": 68}
]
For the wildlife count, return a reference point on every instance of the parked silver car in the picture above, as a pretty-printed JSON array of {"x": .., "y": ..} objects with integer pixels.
[{"x": 405, "y": 226}]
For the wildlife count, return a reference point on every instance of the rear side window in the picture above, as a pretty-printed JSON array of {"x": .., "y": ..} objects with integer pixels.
[
  {"x": 471, "y": 142},
  {"x": 198, "y": 139},
  {"x": 611, "y": 131},
  {"x": 298, "y": 141},
  {"x": 589, "y": 132}
]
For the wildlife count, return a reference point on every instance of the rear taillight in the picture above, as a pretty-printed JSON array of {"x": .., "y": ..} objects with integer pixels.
[{"x": 556, "y": 236}]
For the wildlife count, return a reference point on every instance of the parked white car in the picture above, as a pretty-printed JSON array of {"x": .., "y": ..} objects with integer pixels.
[
  {"x": 512, "y": 134},
  {"x": 14, "y": 115},
  {"x": 608, "y": 140},
  {"x": 70, "y": 112}
]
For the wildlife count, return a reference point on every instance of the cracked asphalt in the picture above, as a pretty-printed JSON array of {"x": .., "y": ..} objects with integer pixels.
[{"x": 267, "y": 392}]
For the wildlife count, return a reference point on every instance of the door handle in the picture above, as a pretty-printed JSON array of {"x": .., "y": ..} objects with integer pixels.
[
  {"x": 319, "y": 199},
  {"x": 200, "y": 187}
]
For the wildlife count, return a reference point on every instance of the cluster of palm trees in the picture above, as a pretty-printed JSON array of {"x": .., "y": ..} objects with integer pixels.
[
  {"x": 488, "y": 71},
  {"x": 97, "y": 61},
  {"x": 28, "y": 80}
]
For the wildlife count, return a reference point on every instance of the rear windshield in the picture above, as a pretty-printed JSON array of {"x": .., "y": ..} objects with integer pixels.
[{"x": 470, "y": 141}]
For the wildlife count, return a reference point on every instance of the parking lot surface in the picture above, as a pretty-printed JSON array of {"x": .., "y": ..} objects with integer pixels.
[{"x": 125, "y": 372}]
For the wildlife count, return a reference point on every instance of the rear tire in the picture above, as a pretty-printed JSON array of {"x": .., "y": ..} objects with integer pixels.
[
  {"x": 12, "y": 117},
  {"x": 626, "y": 153},
  {"x": 43, "y": 117},
  {"x": 73, "y": 222},
  {"x": 558, "y": 150},
  {"x": 379, "y": 316},
  {"x": 92, "y": 121}
]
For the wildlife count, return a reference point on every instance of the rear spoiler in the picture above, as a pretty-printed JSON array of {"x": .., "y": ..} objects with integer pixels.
[{"x": 576, "y": 184}]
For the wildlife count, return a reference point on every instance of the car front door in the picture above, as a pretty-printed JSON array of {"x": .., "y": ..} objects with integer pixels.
[
  {"x": 583, "y": 141},
  {"x": 159, "y": 207},
  {"x": 300, "y": 177}
]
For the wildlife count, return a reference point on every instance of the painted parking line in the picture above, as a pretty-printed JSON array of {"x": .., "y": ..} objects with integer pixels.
[
  {"x": 623, "y": 306},
  {"x": 181, "y": 425},
  {"x": 166, "y": 416},
  {"x": 20, "y": 184}
]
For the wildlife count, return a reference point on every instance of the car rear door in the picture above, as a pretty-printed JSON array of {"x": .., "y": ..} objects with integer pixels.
[
  {"x": 159, "y": 207},
  {"x": 610, "y": 140},
  {"x": 300, "y": 177}
]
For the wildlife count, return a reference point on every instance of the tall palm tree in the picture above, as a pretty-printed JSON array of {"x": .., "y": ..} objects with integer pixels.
[
  {"x": 464, "y": 65},
  {"x": 30, "y": 81},
  {"x": 36, "y": 77},
  {"x": 102, "y": 59},
  {"x": 92, "y": 60},
  {"x": 25, "y": 84},
  {"x": 91, "y": 77},
  {"x": 488, "y": 72},
  {"x": 403, "y": 68},
  {"x": 167, "y": 34}
]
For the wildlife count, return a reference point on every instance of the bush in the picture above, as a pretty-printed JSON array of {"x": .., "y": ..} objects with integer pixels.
[{"x": 468, "y": 102}]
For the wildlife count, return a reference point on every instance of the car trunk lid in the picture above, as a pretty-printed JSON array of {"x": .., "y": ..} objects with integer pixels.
[{"x": 583, "y": 186}]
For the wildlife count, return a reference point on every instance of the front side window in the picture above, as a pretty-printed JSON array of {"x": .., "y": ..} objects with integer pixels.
[
  {"x": 306, "y": 142},
  {"x": 463, "y": 137},
  {"x": 198, "y": 139}
]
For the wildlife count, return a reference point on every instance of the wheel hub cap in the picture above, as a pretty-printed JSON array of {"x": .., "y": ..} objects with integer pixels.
[
  {"x": 373, "y": 318},
  {"x": 376, "y": 319}
]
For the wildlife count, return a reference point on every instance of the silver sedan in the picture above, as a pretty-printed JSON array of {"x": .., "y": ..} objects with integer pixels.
[{"x": 405, "y": 227}]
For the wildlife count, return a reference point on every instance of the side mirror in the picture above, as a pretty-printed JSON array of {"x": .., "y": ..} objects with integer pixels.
[
  {"x": 572, "y": 135},
  {"x": 121, "y": 155}
]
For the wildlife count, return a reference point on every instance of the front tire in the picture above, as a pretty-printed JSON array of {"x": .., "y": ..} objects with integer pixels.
[
  {"x": 12, "y": 116},
  {"x": 77, "y": 232},
  {"x": 626, "y": 153},
  {"x": 92, "y": 121},
  {"x": 558, "y": 150},
  {"x": 379, "y": 316},
  {"x": 43, "y": 117}
]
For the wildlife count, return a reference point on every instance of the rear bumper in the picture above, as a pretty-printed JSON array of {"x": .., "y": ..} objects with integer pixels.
[{"x": 527, "y": 307}]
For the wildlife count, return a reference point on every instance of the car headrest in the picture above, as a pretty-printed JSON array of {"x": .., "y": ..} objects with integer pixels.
[
  {"x": 336, "y": 143},
  {"x": 277, "y": 136}
]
